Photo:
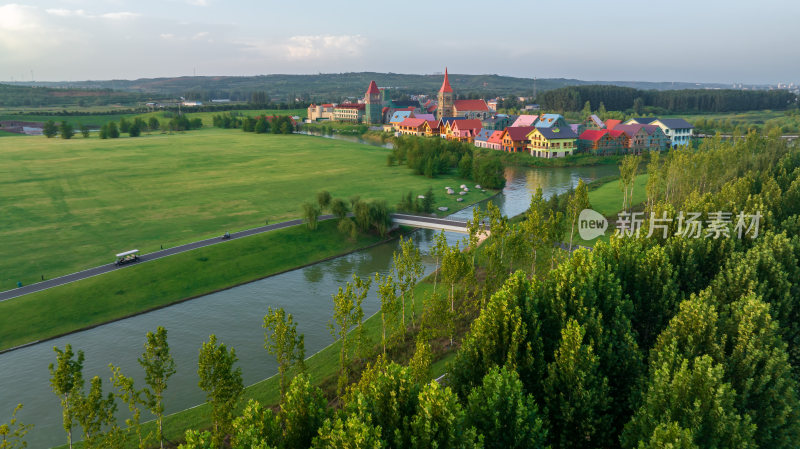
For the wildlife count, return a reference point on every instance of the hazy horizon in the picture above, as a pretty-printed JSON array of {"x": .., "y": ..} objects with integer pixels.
[{"x": 77, "y": 40}]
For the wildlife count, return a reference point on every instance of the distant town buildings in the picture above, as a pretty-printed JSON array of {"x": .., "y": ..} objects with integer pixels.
[{"x": 476, "y": 121}]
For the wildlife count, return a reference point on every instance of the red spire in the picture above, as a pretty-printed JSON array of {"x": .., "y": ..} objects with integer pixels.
[
  {"x": 446, "y": 84},
  {"x": 373, "y": 88}
]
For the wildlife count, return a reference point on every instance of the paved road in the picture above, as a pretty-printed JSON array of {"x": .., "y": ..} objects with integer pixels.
[{"x": 44, "y": 285}]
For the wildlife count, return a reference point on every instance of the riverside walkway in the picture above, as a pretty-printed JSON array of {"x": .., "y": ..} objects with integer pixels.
[{"x": 416, "y": 221}]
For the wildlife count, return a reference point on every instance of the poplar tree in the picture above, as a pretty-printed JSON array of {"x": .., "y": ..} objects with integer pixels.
[
  {"x": 440, "y": 421},
  {"x": 96, "y": 412},
  {"x": 66, "y": 379},
  {"x": 12, "y": 434},
  {"x": 437, "y": 251},
  {"x": 158, "y": 366},
  {"x": 387, "y": 292},
  {"x": 347, "y": 312},
  {"x": 578, "y": 201},
  {"x": 407, "y": 268},
  {"x": 282, "y": 341},
  {"x": 222, "y": 384},
  {"x": 133, "y": 398},
  {"x": 303, "y": 412}
]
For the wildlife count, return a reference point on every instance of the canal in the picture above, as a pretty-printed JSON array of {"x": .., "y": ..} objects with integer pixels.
[{"x": 235, "y": 316}]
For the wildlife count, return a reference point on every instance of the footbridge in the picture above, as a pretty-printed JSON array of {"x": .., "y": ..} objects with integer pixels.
[{"x": 418, "y": 221}]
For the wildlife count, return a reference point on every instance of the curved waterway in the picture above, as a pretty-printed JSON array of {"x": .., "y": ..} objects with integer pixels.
[{"x": 235, "y": 316}]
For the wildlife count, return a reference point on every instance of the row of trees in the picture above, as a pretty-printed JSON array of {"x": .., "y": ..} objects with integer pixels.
[
  {"x": 281, "y": 124},
  {"x": 617, "y": 98},
  {"x": 359, "y": 216}
]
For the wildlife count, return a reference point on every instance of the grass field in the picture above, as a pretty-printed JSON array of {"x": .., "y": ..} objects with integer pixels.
[
  {"x": 164, "y": 281},
  {"x": 97, "y": 120},
  {"x": 66, "y": 205},
  {"x": 607, "y": 199}
]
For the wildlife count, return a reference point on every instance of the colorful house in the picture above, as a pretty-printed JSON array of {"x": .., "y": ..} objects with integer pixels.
[
  {"x": 482, "y": 138},
  {"x": 552, "y": 121},
  {"x": 594, "y": 122},
  {"x": 552, "y": 142},
  {"x": 638, "y": 137},
  {"x": 612, "y": 122},
  {"x": 658, "y": 140},
  {"x": 603, "y": 141},
  {"x": 678, "y": 131},
  {"x": 497, "y": 122},
  {"x": 463, "y": 130},
  {"x": 412, "y": 127},
  {"x": 515, "y": 138},
  {"x": 432, "y": 128},
  {"x": 526, "y": 120},
  {"x": 495, "y": 141},
  {"x": 318, "y": 112}
]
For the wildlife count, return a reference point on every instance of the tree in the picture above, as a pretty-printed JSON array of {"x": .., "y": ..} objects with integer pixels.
[
  {"x": 535, "y": 227},
  {"x": 669, "y": 436},
  {"x": 113, "y": 131},
  {"x": 408, "y": 268},
  {"x": 158, "y": 366},
  {"x": 133, "y": 398},
  {"x": 347, "y": 312},
  {"x": 103, "y": 134},
  {"x": 438, "y": 251},
  {"x": 96, "y": 412},
  {"x": 578, "y": 201},
  {"x": 256, "y": 428},
  {"x": 387, "y": 292},
  {"x": 601, "y": 110},
  {"x": 428, "y": 201},
  {"x": 587, "y": 109},
  {"x": 323, "y": 199},
  {"x": 310, "y": 215},
  {"x": 84, "y": 130},
  {"x": 66, "y": 379},
  {"x": 351, "y": 433},
  {"x": 222, "y": 384},
  {"x": 282, "y": 341},
  {"x": 576, "y": 393},
  {"x": 420, "y": 363},
  {"x": 66, "y": 130},
  {"x": 303, "y": 411},
  {"x": 501, "y": 411},
  {"x": 153, "y": 124},
  {"x": 627, "y": 169},
  {"x": 339, "y": 209},
  {"x": 198, "y": 440},
  {"x": 504, "y": 334},
  {"x": 50, "y": 129},
  {"x": 135, "y": 130},
  {"x": 124, "y": 125},
  {"x": 694, "y": 396},
  {"x": 13, "y": 432},
  {"x": 439, "y": 421}
]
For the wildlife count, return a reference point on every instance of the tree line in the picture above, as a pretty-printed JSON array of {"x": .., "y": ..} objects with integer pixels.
[
  {"x": 573, "y": 98},
  {"x": 279, "y": 124},
  {"x": 432, "y": 157}
]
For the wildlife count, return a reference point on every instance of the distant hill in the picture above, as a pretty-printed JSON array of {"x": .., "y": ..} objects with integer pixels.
[{"x": 330, "y": 86}]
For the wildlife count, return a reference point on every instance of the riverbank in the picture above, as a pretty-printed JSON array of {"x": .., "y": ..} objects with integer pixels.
[{"x": 142, "y": 288}]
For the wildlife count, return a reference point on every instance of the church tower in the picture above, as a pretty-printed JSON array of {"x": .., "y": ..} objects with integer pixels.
[
  {"x": 374, "y": 105},
  {"x": 445, "y": 97}
]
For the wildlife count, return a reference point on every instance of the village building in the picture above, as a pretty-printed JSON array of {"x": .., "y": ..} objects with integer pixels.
[
  {"x": 552, "y": 142},
  {"x": 373, "y": 105},
  {"x": 482, "y": 138},
  {"x": 472, "y": 109},
  {"x": 638, "y": 137},
  {"x": 678, "y": 131},
  {"x": 552, "y": 121},
  {"x": 445, "y": 98},
  {"x": 593, "y": 122},
  {"x": 525, "y": 120},
  {"x": 603, "y": 141},
  {"x": 412, "y": 127},
  {"x": 498, "y": 122},
  {"x": 317, "y": 112},
  {"x": 495, "y": 141},
  {"x": 515, "y": 138},
  {"x": 349, "y": 112}
]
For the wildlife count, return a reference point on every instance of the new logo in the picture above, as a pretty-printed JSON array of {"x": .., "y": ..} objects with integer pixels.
[{"x": 591, "y": 224}]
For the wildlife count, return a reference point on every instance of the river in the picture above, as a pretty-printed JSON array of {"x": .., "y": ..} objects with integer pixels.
[{"x": 235, "y": 316}]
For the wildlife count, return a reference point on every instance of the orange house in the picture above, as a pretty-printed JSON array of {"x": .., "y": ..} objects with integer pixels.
[{"x": 515, "y": 138}]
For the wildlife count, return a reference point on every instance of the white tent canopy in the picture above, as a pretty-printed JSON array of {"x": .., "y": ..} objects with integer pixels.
[{"x": 128, "y": 253}]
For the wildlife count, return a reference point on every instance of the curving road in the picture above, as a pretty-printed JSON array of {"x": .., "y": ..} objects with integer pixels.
[{"x": 66, "y": 279}]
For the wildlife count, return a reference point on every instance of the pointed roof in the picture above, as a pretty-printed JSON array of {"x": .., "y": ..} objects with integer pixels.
[
  {"x": 446, "y": 83},
  {"x": 373, "y": 88}
]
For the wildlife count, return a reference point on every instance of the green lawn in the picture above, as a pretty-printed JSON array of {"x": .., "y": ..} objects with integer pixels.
[
  {"x": 97, "y": 120},
  {"x": 8, "y": 134},
  {"x": 71, "y": 204},
  {"x": 607, "y": 199},
  {"x": 138, "y": 288}
]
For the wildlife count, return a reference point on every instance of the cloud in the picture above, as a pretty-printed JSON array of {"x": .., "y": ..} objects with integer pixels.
[
  {"x": 324, "y": 46},
  {"x": 61, "y": 12},
  {"x": 122, "y": 15},
  {"x": 198, "y": 2}
]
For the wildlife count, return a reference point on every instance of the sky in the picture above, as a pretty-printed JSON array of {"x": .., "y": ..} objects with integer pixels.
[{"x": 753, "y": 42}]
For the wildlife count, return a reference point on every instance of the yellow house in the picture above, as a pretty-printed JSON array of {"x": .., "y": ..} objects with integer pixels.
[{"x": 552, "y": 142}]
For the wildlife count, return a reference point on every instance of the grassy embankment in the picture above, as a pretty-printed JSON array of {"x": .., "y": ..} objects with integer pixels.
[
  {"x": 161, "y": 282},
  {"x": 72, "y": 204}
]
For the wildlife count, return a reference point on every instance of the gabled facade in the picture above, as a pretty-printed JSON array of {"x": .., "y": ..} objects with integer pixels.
[
  {"x": 318, "y": 112},
  {"x": 515, "y": 138},
  {"x": 472, "y": 109},
  {"x": 411, "y": 127},
  {"x": 552, "y": 121},
  {"x": 495, "y": 141},
  {"x": 638, "y": 138},
  {"x": 678, "y": 130},
  {"x": 462, "y": 130},
  {"x": 552, "y": 142},
  {"x": 482, "y": 138},
  {"x": 603, "y": 141},
  {"x": 658, "y": 141},
  {"x": 497, "y": 122},
  {"x": 593, "y": 122}
]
